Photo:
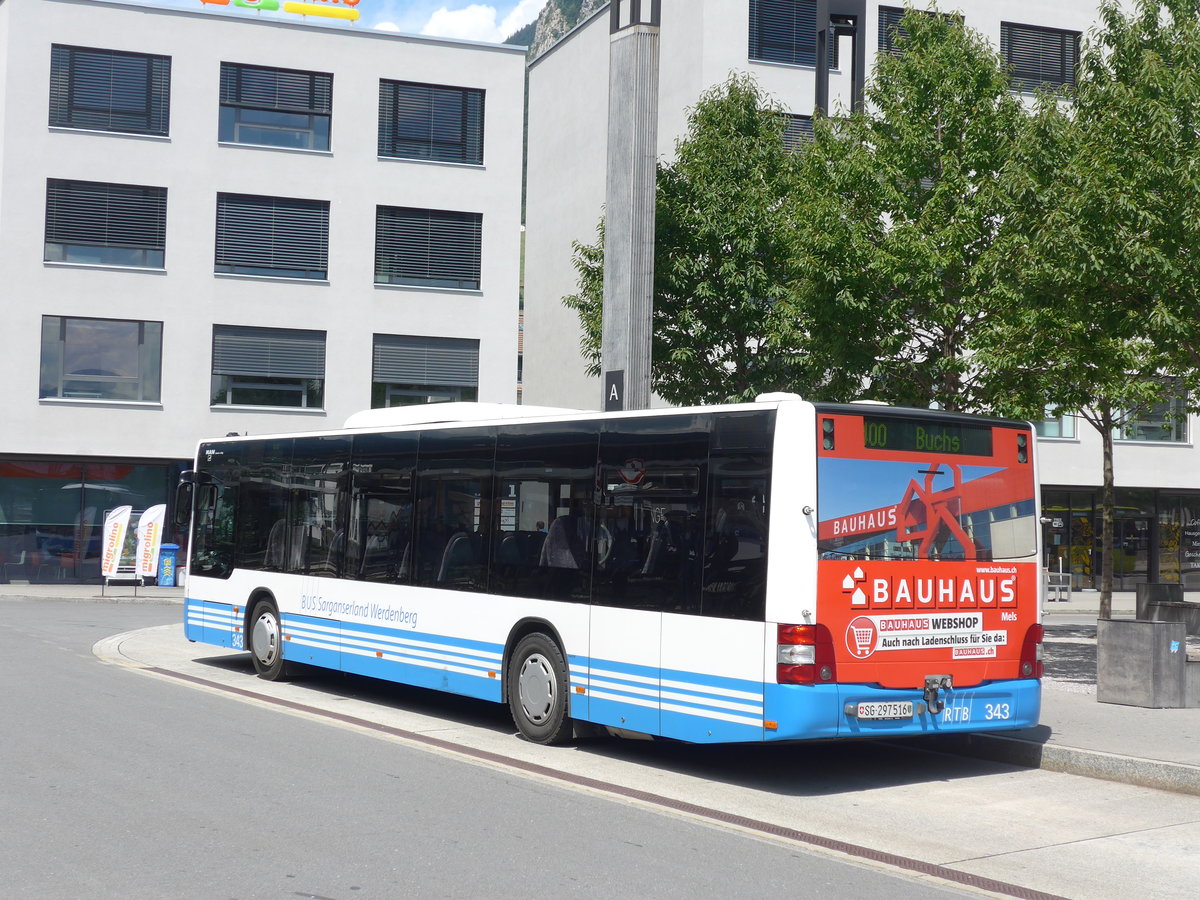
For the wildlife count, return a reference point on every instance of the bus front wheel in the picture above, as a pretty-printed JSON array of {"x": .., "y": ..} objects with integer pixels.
[
  {"x": 537, "y": 690},
  {"x": 266, "y": 641}
]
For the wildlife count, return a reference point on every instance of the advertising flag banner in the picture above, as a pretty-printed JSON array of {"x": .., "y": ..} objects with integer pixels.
[
  {"x": 149, "y": 540},
  {"x": 116, "y": 523}
]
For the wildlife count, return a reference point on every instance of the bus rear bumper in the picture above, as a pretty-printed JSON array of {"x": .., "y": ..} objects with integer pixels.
[{"x": 823, "y": 712}]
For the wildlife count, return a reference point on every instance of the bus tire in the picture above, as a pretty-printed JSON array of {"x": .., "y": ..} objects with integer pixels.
[
  {"x": 537, "y": 690},
  {"x": 265, "y": 639}
]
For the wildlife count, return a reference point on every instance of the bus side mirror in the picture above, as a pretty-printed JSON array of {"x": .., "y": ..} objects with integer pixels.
[{"x": 184, "y": 493}]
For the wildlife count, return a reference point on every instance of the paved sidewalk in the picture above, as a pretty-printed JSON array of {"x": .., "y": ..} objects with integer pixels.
[{"x": 1157, "y": 748}]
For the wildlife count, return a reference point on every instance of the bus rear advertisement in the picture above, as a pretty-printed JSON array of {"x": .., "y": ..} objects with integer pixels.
[{"x": 778, "y": 570}]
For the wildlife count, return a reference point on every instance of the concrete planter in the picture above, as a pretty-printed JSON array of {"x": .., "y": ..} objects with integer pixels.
[
  {"x": 1165, "y": 603},
  {"x": 1144, "y": 663}
]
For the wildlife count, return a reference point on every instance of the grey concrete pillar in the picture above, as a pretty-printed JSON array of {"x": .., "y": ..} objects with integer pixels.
[{"x": 629, "y": 205}]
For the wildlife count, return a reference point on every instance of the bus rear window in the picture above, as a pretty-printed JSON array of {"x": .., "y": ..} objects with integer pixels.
[{"x": 925, "y": 490}]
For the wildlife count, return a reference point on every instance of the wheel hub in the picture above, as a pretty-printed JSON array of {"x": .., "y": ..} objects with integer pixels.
[
  {"x": 537, "y": 688},
  {"x": 265, "y": 639}
]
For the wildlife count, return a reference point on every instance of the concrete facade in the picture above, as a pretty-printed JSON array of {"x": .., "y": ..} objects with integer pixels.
[{"x": 185, "y": 294}]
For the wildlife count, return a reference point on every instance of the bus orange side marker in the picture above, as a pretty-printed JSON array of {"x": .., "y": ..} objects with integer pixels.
[
  {"x": 491, "y": 674},
  {"x": 379, "y": 654},
  {"x": 771, "y": 726},
  {"x": 580, "y": 689},
  {"x": 287, "y": 637}
]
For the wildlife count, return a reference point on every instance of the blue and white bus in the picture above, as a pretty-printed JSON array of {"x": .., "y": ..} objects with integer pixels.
[{"x": 778, "y": 570}]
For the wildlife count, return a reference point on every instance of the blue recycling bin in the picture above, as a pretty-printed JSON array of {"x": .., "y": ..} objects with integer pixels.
[{"x": 166, "y": 564}]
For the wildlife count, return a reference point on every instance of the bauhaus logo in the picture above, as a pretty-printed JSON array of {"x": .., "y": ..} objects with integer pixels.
[{"x": 976, "y": 587}]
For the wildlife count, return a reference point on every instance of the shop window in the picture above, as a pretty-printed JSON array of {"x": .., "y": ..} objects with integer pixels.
[
  {"x": 275, "y": 107},
  {"x": 272, "y": 236},
  {"x": 1039, "y": 57},
  {"x": 101, "y": 359},
  {"x": 95, "y": 223},
  {"x": 430, "y": 121},
  {"x": 428, "y": 247},
  {"x": 109, "y": 90},
  {"x": 409, "y": 369},
  {"x": 268, "y": 367}
]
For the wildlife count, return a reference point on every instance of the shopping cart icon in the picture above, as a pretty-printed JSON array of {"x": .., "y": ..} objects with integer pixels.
[{"x": 860, "y": 637}]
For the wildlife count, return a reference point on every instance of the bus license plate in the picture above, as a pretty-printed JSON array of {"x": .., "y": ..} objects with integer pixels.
[{"x": 890, "y": 709}]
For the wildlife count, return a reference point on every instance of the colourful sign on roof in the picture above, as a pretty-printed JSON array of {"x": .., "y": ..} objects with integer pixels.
[{"x": 326, "y": 9}]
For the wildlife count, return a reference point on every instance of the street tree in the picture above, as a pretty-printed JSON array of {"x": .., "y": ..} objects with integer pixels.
[
  {"x": 724, "y": 259},
  {"x": 900, "y": 206},
  {"x": 1100, "y": 261}
]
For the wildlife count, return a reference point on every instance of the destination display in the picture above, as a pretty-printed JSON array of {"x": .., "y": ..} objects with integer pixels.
[{"x": 927, "y": 437}]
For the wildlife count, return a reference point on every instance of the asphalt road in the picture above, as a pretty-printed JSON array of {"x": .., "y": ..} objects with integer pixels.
[{"x": 118, "y": 785}]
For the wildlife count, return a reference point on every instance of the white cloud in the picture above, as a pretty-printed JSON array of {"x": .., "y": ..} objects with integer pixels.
[
  {"x": 477, "y": 22},
  {"x": 386, "y": 26},
  {"x": 473, "y": 23},
  {"x": 520, "y": 15}
]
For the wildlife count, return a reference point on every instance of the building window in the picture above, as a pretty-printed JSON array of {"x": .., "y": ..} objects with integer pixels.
[
  {"x": 785, "y": 31},
  {"x": 276, "y": 236},
  {"x": 1166, "y": 421},
  {"x": 892, "y": 34},
  {"x": 268, "y": 367},
  {"x": 1039, "y": 57},
  {"x": 101, "y": 359},
  {"x": 798, "y": 132},
  {"x": 430, "y": 121},
  {"x": 1055, "y": 425},
  {"x": 410, "y": 369},
  {"x": 105, "y": 224},
  {"x": 109, "y": 90},
  {"x": 428, "y": 247},
  {"x": 275, "y": 107}
]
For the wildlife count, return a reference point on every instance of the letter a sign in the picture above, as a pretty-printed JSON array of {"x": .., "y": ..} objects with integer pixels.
[{"x": 614, "y": 390}]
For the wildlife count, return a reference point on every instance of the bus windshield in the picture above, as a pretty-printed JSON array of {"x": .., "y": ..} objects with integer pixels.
[{"x": 913, "y": 490}]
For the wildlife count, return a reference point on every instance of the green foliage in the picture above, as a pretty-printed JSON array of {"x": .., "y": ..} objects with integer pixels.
[
  {"x": 902, "y": 206},
  {"x": 1100, "y": 270},
  {"x": 725, "y": 233}
]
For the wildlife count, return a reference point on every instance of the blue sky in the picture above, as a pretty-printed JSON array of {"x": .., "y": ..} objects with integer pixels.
[{"x": 473, "y": 20}]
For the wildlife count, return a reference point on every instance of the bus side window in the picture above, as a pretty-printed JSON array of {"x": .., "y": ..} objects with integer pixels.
[
  {"x": 318, "y": 495},
  {"x": 649, "y": 527},
  {"x": 262, "y": 504},
  {"x": 735, "y": 533},
  {"x": 454, "y": 502},
  {"x": 379, "y": 526},
  {"x": 545, "y": 477}
]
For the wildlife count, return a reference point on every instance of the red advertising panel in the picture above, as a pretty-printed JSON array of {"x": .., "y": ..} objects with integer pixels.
[{"x": 927, "y": 538}]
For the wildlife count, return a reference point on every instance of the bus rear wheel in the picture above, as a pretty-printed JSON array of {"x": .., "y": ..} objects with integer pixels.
[
  {"x": 537, "y": 690},
  {"x": 266, "y": 641}
]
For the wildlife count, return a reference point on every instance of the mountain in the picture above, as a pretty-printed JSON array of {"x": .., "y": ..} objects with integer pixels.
[{"x": 556, "y": 19}]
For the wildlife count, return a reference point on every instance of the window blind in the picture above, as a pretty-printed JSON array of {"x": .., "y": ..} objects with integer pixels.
[
  {"x": 109, "y": 90},
  {"x": 785, "y": 31},
  {"x": 290, "y": 90},
  {"x": 268, "y": 352},
  {"x": 433, "y": 361},
  {"x": 272, "y": 235},
  {"x": 430, "y": 121},
  {"x": 1039, "y": 57},
  {"x": 430, "y": 247},
  {"x": 106, "y": 215}
]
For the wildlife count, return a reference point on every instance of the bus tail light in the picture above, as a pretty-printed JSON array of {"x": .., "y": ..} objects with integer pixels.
[
  {"x": 804, "y": 655},
  {"x": 1031, "y": 653}
]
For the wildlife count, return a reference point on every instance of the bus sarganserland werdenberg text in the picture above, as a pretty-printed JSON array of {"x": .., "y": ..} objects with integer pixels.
[{"x": 778, "y": 570}]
